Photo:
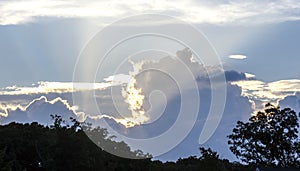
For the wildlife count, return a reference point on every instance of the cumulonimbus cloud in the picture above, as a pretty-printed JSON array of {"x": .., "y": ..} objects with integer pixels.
[{"x": 216, "y": 12}]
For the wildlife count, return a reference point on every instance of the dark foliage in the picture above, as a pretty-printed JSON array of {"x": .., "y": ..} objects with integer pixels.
[
  {"x": 60, "y": 147},
  {"x": 67, "y": 147},
  {"x": 269, "y": 138}
]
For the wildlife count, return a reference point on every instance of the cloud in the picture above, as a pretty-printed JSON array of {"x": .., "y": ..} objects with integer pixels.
[
  {"x": 65, "y": 87},
  {"x": 234, "y": 76},
  {"x": 40, "y": 110},
  {"x": 216, "y": 12},
  {"x": 292, "y": 101},
  {"x": 263, "y": 92},
  {"x": 249, "y": 76},
  {"x": 165, "y": 83},
  {"x": 237, "y": 56},
  {"x": 52, "y": 87},
  {"x": 19, "y": 97}
]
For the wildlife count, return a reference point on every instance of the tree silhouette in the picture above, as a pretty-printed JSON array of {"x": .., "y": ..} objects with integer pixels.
[
  {"x": 208, "y": 154},
  {"x": 62, "y": 147},
  {"x": 269, "y": 138}
]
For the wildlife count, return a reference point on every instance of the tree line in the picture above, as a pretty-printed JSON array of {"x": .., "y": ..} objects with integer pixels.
[{"x": 268, "y": 139}]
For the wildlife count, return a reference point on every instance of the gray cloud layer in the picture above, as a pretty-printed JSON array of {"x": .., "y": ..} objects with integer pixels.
[{"x": 215, "y": 12}]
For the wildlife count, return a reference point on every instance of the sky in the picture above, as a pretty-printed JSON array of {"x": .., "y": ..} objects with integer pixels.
[{"x": 145, "y": 86}]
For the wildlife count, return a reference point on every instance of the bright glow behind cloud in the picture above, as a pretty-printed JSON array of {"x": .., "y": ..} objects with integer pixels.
[
  {"x": 4, "y": 109},
  {"x": 18, "y": 12},
  {"x": 259, "y": 91},
  {"x": 134, "y": 97}
]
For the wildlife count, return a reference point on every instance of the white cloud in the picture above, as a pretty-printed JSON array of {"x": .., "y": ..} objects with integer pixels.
[
  {"x": 237, "y": 56},
  {"x": 37, "y": 111},
  {"x": 40, "y": 109},
  {"x": 64, "y": 87},
  {"x": 249, "y": 76},
  {"x": 118, "y": 79},
  {"x": 263, "y": 92},
  {"x": 14, "y": 98},
  {"x": 243, "y": 12}
]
